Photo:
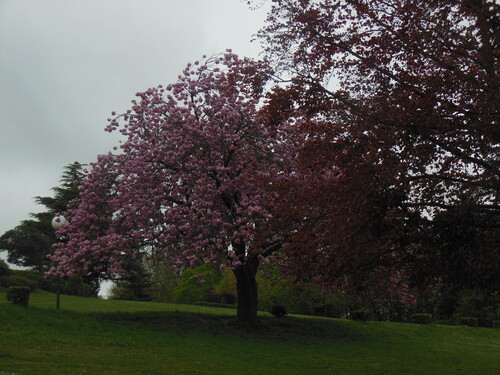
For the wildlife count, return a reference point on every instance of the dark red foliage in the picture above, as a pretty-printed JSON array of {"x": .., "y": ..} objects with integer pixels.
[{"x": 398, "y": 101}]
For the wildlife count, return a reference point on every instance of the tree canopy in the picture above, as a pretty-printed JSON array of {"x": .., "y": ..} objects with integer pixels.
[
  {"x": 29, "y": 243},
  {"x": 413, "y": 83},
  {"x": 192, "y": 181},
  {"x": 399, "y": 104},
  {"x": 378, "y": 143}
]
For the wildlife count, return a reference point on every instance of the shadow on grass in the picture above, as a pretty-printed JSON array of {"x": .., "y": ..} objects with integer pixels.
[{"x": 268, "y": 328}]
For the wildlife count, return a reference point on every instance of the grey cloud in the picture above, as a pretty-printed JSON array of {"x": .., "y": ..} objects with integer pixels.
[{"x": 65, "y": 65}]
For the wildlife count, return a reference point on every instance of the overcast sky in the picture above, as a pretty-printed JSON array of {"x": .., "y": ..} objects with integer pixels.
[{"x": 66, "y": 65}]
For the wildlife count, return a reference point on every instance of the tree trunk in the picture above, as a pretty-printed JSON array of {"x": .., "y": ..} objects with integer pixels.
[{"x": 246, "y": 286}]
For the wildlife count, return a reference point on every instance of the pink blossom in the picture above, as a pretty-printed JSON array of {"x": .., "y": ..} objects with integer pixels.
[{"x": 190, "y": 180}]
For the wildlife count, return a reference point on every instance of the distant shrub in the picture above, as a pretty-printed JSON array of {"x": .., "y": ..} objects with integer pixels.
[
  {"x": 468, "y": 321},
  {"x": 480, "y": 305},
  {"x": 18, "y": 295},
  {"x": 29, "y": 278},
  {"x": 73, "y": 286},
  {"x": 496, "y": 324},
  {"x": 51, "y": 284},
  {"x": 4, "y": 269},
  {"x": 303, "y": 308},
  {"x": 222, "y": 298},
  {"x": 360, "y": 315},
  {"x": 278, "y": 310},
  {"x": 421, "y": 318},
  {"x": 76, "y": 287},
  {"x": 20, "y": 280},
  {"x": 445, "y": 322},
  {"x": 335, "y": 309},
  {"x": 485, "y": 322},
  {"x": 196, "y": 284},
  {"x": 164, "y": 279},
  {"x": 120, "y": 293}
]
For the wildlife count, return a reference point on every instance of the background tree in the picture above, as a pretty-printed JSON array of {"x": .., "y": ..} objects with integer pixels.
[
  {"x": 196, "y": 284},
  {"x": 71, "y": 178},
  {"x": 164, "y": 279},
  {"x": 399, "y": 104},
  {"x": 29, "y": 244},
  {"x": 134, "y": 284},
  {"x": 4, "y": 269},
  {"x": 226, "y": 288},
  {"x": 191, "y": 184},
  {"x": 452, "y": 258}
]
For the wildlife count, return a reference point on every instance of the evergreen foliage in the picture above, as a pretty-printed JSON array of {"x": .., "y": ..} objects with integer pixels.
[
  {"x": 29, "y": 243},
  {"x": 360, "y": 315},
  {"x": 4, "y": 268},
  {"x": 134, "y": 284},
  {"x": 468, "y": 321},
  {"x": 421, "y": 318}
]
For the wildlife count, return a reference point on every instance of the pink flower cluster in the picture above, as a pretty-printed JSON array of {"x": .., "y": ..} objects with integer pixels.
[{"x": 191, "y": 181}]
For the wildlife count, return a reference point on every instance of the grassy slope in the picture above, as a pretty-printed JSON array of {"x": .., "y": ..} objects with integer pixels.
[{"x": 90, "y": 336}]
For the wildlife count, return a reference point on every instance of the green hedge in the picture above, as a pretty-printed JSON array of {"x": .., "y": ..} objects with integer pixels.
[
  {"x": 18, "y": 295},
  {"x": 421, "y": 318},
  {"x": 29, "y": 278},
  {"x": 468, "y": 321},
  {"x": 360, "y": 315},
  {"x": 35, "y": 281}
]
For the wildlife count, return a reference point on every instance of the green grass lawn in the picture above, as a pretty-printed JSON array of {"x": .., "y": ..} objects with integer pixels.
[{"x": 92, "y": 336}]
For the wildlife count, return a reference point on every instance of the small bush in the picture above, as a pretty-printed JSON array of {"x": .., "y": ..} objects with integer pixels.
[
  {"x": 360, "y": 315},
  {"x": 468, "y": 321},
  {"x": 421, "y": 318},
  {"x": 496, "y": 324},
  {"x": 485, "y": 322},
  {"x": 18, "y": 295},
  {"x": 278, "y": 311}
]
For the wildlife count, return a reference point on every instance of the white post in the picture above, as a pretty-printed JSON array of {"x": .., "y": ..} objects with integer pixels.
[{"x": 57, "y": 222}]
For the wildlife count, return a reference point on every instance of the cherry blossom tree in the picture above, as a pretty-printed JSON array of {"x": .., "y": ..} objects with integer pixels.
[{"x": 191, "y": 183}]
